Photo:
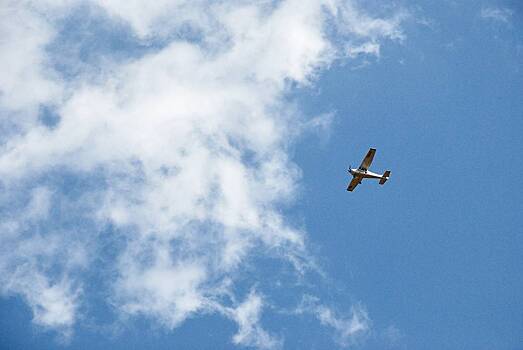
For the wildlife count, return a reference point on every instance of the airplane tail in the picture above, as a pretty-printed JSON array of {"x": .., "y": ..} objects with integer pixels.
[{"x": 385, "y": 177}]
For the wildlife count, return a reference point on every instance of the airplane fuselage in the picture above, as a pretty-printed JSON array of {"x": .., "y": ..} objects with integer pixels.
[{"x": 365, "y": 174}]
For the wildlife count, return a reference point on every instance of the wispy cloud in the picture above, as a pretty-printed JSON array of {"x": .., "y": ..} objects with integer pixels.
[
  {"x": 347, "y": 329},
  {"x": 250, "y": 332},
  {"x": 499, "y": 14},
  {"x": 181, "y": 152}
]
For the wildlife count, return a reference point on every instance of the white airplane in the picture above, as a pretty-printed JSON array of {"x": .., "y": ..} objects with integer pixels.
[{"x": 363, "y": 172}]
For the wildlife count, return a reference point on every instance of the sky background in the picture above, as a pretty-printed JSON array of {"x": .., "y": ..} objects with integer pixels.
[{"x": 431, "y": 260}]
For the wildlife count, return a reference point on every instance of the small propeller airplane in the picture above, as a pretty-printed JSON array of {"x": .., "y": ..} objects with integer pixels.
[{"x": 363, "y": 172}]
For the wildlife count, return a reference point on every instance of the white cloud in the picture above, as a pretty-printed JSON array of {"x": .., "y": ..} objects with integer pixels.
[
  {"x": 354, "y": 21},
  {"x": 348, "y": 329},
  {"x": 156, "y": 18},
  {"x": 499, "y": 14},
  {"x": 250, "y": 332},
  {"x": 26, "y": 80},
  {"x": 188, "y": 146},
  {"x": 368, "y": 48},
  {"x": 170, "y": 293},
  {"x": 40, "y": 204},
  {"x": 54, "y": 305},
  {"x": 27, "y": 269}
]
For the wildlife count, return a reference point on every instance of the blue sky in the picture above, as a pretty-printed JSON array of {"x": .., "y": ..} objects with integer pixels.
[{"x": 224, "y": 222}]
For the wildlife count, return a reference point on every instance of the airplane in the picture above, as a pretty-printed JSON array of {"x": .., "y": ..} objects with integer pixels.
[{"x": 363, "y": 172}]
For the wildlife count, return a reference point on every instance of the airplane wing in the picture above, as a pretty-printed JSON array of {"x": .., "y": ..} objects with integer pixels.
[
  {"x": 368, "y": 159},
  {"x": 355, "y": 181}
]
